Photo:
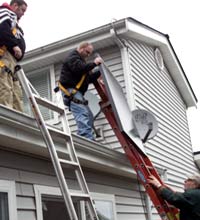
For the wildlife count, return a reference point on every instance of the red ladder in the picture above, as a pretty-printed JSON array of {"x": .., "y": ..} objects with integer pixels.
[{"x": 140, "y": 162}]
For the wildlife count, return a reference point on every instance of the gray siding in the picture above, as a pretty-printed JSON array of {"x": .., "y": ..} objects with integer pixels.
[
  {"x": 156, "y": 92},
  {"x": 27, "y": 171}
]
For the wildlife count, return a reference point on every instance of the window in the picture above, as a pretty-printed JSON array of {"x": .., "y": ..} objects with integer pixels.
[
  {"x": 4, "y": 215},
  {"x": 54, "y": 208},
  {"x": 105, "y": 206},
  {"x": 50, "y": 205},
  {"x": 7, "y": 200},
  {"x": 41, "y": 83}
]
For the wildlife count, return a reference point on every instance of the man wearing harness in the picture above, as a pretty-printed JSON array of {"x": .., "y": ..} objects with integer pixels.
[
  {"x": 74, "y": 80},
  {"x": 12, "y": 49}
]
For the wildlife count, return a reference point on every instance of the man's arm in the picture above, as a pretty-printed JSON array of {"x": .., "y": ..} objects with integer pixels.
[
  {"x": 6, "y": 37},
  {"x": 180, "y": 200},
  {"x": 77, "y": 65}
]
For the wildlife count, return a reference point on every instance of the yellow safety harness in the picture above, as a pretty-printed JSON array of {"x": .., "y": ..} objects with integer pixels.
[
  {"x": 74, "y": 91},
  {"x": 71, "y": 94},
  {"x": 2, "y": 64}
]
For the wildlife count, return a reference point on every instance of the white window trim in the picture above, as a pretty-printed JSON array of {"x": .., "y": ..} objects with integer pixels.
[
  {"x": 106, "y": 197},
  {"x": 9, "y": 187},
  {"x": 55, "y": 191},
  {"x": 43, "y": 190}
]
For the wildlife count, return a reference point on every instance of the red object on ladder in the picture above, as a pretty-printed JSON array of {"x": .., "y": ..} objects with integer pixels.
[{"x": 140, "y": 162}]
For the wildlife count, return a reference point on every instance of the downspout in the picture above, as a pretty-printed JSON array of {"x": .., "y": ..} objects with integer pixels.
[
  {"x": 126, "y": 67},
  {"x": 148, "y": 207},
  {"x": 130, "y": 94}
]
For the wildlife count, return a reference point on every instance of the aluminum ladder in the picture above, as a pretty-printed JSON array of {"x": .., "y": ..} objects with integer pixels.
[{"x": 58, "y": 163}]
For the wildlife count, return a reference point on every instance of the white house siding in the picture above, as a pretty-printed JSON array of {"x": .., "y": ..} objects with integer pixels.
[
  {"x": 156, "y": 92},
  {"x": 27, "y": 170}
]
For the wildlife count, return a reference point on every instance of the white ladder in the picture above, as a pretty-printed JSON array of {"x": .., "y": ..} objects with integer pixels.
[{"x": 72, "y": 162}]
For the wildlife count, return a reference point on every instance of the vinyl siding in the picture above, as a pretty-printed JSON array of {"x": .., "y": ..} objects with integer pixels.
[
  {"x": 156, "y": 92},
  {"x": 125, "y": 190}
]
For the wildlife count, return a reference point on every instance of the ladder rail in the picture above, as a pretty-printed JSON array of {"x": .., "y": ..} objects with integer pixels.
[
  {"x": 138, "y": 159},
  {"x": 78, "y": 173},
  {"x": 67, "y": 195}
]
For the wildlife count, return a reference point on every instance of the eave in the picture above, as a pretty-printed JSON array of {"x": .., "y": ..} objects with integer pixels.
[
  {"x": 102, "y": 37},
  {"x": 19, "y": 132}
]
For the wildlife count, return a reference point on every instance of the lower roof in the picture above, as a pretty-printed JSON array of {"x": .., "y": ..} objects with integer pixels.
[{"x": 19, "y": 132}]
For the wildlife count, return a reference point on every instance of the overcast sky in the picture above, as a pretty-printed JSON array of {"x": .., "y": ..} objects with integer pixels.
[{"x": 49, "y": 21}]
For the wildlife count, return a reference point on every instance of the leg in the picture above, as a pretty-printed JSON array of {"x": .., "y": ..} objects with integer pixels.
[
  {"x": 17, "y": 96},
  {"x": 82, "y": 115},
  {"x": 6, "y": 80},
  {"x": 6, "y": 89}
]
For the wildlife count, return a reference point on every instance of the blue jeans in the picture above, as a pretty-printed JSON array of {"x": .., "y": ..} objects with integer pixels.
[{"x": 82, "y": 115}]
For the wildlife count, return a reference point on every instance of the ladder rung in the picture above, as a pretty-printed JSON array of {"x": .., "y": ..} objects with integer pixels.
[
  {"x": 48, "y": 104},
  {"x": 80, "y": 196},
  {"x": 150, "y": 167},
  {"x": 69, "y": 163},
  {"x": 58, "y": 133}
]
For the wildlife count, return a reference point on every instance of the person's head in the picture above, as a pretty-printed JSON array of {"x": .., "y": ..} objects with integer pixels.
[
  {"x": 19, "y": 7},
  {"x": 85, "y": 49},
  {"x": 192, "y": 182}
]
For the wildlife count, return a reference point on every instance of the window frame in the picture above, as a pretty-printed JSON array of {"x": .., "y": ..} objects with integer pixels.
[
  {"x": 7, "y": 186},
  {"x": 50, "y": 83},
  {"x": 106, "y": 197},
  {"x": 41, "y": 190}
]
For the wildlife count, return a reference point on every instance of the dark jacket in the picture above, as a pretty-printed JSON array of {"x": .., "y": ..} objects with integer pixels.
[
  {"x": 8, "y": 22},
  {"x": 188, "y": 202},
  {"x": 74, "y": 67}
]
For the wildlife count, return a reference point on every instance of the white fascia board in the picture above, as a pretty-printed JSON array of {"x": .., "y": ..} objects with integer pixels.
[
  {"x": 151, "y": 37},
  {"x": 141, "y": 33}
]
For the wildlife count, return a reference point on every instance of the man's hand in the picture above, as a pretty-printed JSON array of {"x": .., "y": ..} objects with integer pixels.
[
  {"x": 153, "y": 181},
  {"x": 98, "y": 60},
  {"x": 17, "y": 52}
]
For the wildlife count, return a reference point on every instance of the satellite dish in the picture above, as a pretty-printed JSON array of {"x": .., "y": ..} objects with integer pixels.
[
  {"x": 145, "y": 123},
  {"x": 93, "y": 103},
  {"x": 120, "y": 107}
]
